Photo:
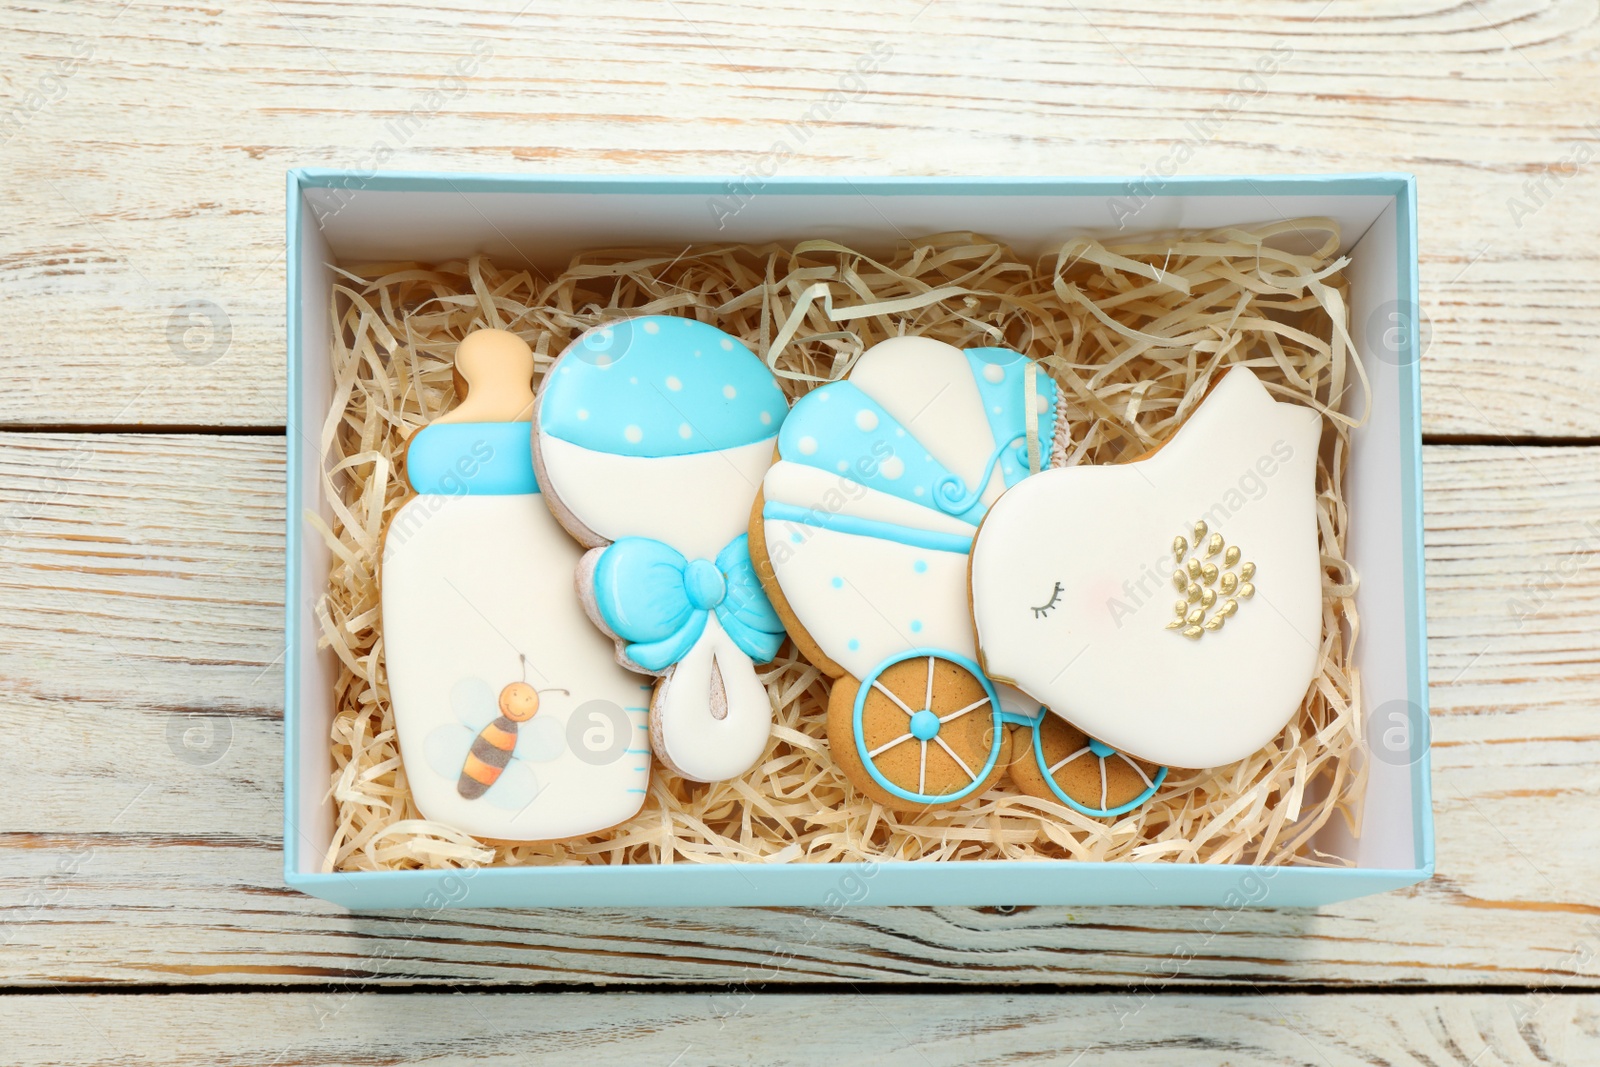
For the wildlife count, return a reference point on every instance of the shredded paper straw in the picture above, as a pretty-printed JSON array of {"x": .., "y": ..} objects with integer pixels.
[{"x": 1134, "y": 332}]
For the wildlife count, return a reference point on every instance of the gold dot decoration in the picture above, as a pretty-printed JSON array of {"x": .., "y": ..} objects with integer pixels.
[{"x": 1211, "y": 590}]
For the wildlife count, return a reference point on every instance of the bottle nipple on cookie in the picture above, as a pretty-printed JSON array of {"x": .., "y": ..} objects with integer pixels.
[{"x": 497, "y": 368}]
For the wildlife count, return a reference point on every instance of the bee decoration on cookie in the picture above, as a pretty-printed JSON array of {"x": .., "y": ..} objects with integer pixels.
[{"x": 495, "y": 740}]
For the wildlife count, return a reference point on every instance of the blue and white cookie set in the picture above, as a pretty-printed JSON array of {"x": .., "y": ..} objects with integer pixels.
[{"x": 874, "y": 524}]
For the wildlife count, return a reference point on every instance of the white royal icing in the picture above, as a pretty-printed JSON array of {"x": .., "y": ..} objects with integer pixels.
[
  {"x": 696, "y": 503},
  {"x": 863, "y": 599},
  {"x": 928, "y": 387},
  {"x": 708, "y": 748},
  {"x": 468, "y": 583},
  {"x": 827, "y": 494},
  {"x": 873, "y": 572},
  {"x": 1102, "y": 655}
]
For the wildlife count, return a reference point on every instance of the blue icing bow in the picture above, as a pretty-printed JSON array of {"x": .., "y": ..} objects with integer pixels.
[{"x": 657, "y": 601}]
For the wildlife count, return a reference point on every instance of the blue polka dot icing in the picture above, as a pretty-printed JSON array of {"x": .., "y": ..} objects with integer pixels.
[
  {"x": 999, "y": 375},
  {"x": 660, "y": 385},
  {"x": 916, "y": 626},
  {"x": 920, "y": 566},
  {"x": 840, "y": 429},
  {"x": 854, "y": 645},
  {"x": 838, "y": 583}
]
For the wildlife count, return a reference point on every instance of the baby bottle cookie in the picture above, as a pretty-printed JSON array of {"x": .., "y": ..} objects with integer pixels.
[
  {"x": 1171, "y": 606},
  {"x": 650, "y": 437},
  {"x": 515, "y": 721}
]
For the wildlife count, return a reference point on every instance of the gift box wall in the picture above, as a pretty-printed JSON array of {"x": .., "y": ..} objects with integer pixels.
[{"x": 345, "y": 216}]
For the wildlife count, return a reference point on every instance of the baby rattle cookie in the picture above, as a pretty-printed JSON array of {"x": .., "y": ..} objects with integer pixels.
[
  {"x": 1171, "y": 606},
  {"x": 861, "y": 535},
  {"x": 651, "y": 436},
  {"x": 515, "y": 721}
]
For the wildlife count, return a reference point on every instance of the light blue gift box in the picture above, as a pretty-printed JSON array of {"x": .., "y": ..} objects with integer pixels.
[{"x": 350, "y": 216}]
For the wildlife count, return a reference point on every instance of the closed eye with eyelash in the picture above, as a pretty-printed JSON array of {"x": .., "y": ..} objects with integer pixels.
[{"x": 1044, "y": 609}]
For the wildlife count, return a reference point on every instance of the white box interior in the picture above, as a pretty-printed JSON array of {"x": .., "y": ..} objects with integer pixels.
[
  {"x": 316, "y": 672},
  {"x": 544, "y": 229}
]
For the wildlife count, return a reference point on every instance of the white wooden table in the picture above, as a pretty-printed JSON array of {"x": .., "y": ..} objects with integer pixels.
[{"x": 142, "y": 915}]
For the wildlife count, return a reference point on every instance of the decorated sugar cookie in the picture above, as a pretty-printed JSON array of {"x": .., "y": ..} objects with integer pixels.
[
  {"x": 515, "y": 720},
  {"x": 861, "y": 536},
  {"x": 1171, "y": 607},
  {"x": 651, "y": 438}
]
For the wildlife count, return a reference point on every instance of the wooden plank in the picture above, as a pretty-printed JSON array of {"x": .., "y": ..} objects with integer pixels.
[
  {"x": 146, "y": 146},
  {"x": 141, "y": 580},
  {"x": 290, "y": 1030}
]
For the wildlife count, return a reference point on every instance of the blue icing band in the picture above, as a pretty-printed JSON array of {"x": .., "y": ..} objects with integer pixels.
[
  {"x": 999, "y": 373},
  {"x": 852, "y": 524},
  {"x": 660, "y": 385},
  {"x": 840, "y": 429},
  {"x": 472, "y": 459}
]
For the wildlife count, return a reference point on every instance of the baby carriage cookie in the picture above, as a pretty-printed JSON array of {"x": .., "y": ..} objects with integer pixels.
[
  {"x": 861, "y": 536},
  {"x": 651, "y": 436},
  {"x": 1171, "y": 606},
  {"x": 515, "y": 721}
]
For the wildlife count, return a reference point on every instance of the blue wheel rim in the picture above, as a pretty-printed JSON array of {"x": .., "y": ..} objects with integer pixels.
[
  {"x": 1081, "y": 808},
  {"x": 867, "y": 757}
]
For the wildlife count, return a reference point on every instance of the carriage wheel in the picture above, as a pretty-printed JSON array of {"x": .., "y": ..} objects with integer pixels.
[
  {"x": 1088, "y": 776},
  {"x": 923, "y": 728}
]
